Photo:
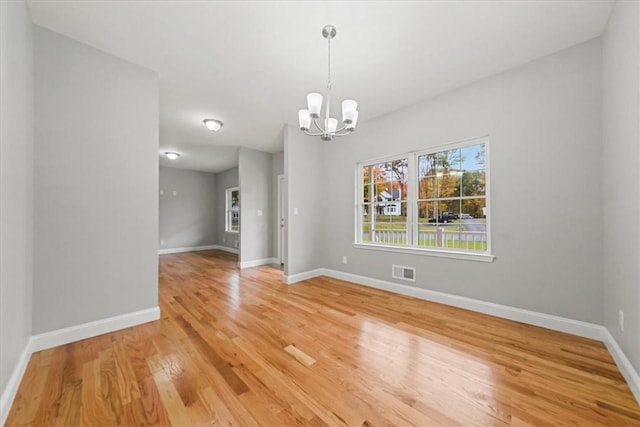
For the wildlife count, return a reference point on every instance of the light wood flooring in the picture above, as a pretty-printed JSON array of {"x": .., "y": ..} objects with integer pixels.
[{"x": 240, "y": 348}]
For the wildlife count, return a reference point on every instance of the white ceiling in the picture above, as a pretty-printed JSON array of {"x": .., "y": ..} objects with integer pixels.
[{"x": 251, "y": 64}]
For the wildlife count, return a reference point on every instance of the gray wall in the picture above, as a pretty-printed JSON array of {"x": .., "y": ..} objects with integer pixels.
[
  {"x": 96, "y": 185},
  {"x": 224, "y": 180},
  {"x": 621, "y": 180},
  {"x": 16, "y": 183},
  {"x": 305, "y": 165},
  {"x": 543, "y": 119},
  {"x": 255, "y": 177},
  {"x": 188, "y": 208},
  {"x": 277, "y": 168}
]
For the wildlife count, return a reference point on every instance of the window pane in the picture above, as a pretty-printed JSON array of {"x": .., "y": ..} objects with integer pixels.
[
  {"x": 452, "y": 210},
  {"x": 473, "y": 157},
  {"x": 427, "y": 187},
  {"x": 232, "y": 222},
  {"x": 465, "y": 233},
  {"x": 473, "y": 183},
  {"x": 376, "y": 174},
  {"x": 426, "y": 212},
  {"x": 235, "y": 210},
  {"x": 473, "y": 220},
  {"x": 454, "y": 158},
  {"x": 366, "y": 174},
  {"x": 365, "y": 221},
  {"x": 426, "y": 165},
  {"x": 428, "y": 235},
  {"x": 448, "y": 184},
  {"x": 446, "y": 161},
  {"x": 388, "y": 181},
  {"x": 392, "y": 180},
  {"x": 392, "y": 190},
  {"x": 390, "y": 223},
  {"x": 474, "y": 208},
  {"x": 365, "y": 193},
  {"x": 426, "y": 224}
]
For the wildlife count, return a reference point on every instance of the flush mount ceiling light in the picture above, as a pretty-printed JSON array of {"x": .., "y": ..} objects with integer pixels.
[
  {"x": 212, "y": 124},
  {"x": 314, "y": 104},
  {"x": 171, "y": 155}
]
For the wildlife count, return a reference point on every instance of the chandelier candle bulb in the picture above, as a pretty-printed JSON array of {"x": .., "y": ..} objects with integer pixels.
[
  {"x": 351, "y": 126},
  {"x": 331, "y": 125},
  {"x": 314, "y": 102},
  {"x": 305, "y": 119},
  {"x": 349, "y": 108}
]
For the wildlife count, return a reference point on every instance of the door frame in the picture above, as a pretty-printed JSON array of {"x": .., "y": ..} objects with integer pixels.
[{"x": 280, "y": 220}]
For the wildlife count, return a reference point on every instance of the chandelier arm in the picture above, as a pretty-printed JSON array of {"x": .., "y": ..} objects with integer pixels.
[
  {"x": 312, "y": 133},
  {"x": 341, "y": 129},
  {"x": 344, "y": 131},
  {"x": 342, "y": 134},
  {"x": 315, "y": 122}
]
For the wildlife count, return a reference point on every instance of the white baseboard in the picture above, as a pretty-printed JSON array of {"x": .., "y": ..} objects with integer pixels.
[
  {"x": 228, "y": 249},
  {"x": 624, "y": 364},
  {"x": 557, "y": 323},
  {"x": 11, "y": 389},
  {"x": 64, "y": 336},
  {"x": 257, "y": 262},
  {"x": 294, "y": 278},
  {"x": 198, "y": 248},
  {"x": 92, "y": 329},
  {"x": 187, "y": 249}
]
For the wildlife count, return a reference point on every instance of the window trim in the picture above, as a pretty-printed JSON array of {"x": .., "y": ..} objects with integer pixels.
[
  {"x": 412, "y": 161},
  {"x": 227, "y": 197},
  {"x": 440, "y": 253}
]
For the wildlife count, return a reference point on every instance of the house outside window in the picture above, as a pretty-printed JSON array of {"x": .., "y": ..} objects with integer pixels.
[
  {"x": 433, "y": 202},
  {"x": 232, "y": 208}
]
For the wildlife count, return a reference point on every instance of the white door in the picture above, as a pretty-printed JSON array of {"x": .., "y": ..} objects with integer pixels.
[{"x": 281, "y": 220}]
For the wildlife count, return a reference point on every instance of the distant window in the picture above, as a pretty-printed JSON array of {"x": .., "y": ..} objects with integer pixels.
[
  {"x": 426, "y": 201},
  {"x": 232, "y": 208}
]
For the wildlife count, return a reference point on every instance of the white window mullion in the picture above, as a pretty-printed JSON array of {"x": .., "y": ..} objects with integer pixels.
[
  {"x": 487, "y": 192},
  {"x": 372, "y": 207},
  {"x": 359, "y": 199},
  {"x": 412, "y": 197}
]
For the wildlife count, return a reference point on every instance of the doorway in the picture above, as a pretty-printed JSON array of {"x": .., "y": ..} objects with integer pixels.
[{"x": 281, "y": 225}]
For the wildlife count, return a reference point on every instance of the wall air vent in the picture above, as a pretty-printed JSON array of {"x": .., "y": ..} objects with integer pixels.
[{"x": 403, "y": 273}]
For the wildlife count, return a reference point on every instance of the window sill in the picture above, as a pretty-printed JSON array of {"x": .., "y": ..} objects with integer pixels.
[
  {"x": 428, "y": 252},
  {"x": 231, "y": 231}
]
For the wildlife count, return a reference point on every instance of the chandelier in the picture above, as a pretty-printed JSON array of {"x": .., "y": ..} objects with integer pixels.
[{"x": 329, "y": 128}]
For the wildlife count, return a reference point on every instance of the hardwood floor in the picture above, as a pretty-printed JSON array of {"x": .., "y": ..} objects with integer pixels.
[{"x": 240, "y": 348}]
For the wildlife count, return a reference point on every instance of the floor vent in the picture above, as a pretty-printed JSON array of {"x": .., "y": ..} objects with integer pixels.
[{"x": 403, "y": 273}]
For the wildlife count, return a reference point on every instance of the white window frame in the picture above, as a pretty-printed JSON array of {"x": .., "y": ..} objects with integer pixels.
[
  {"x": 412, "y": 205},
  {"x": 227, "y": 210}
]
